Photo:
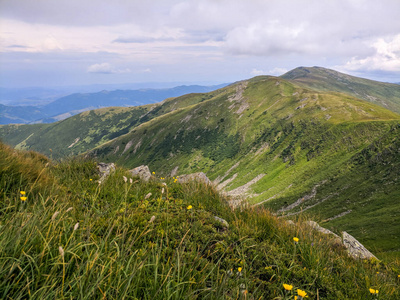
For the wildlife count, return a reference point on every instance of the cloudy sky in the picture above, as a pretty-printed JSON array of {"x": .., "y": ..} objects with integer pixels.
[{"x": 73, "y": 42}]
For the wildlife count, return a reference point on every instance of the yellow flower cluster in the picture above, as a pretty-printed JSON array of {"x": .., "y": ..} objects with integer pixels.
[
  {"x": 373, "y": 291},
  {"x": 23, "y": 197},
  {"x": 301, "y": 294},
  {"x": 296, "y": 240},
  {"x": 189, "y": 207}
]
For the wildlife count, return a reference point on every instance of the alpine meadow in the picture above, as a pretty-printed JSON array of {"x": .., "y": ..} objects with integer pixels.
[{"x": 267, "y": 188}]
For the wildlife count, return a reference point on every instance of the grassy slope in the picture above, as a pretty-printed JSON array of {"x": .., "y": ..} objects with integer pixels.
[
  {"x": 93, "y": 128},
  {"x": 76, "y": 239},
  {"x": 297, "y": 137},
  {"x": 384, "y": 94}
]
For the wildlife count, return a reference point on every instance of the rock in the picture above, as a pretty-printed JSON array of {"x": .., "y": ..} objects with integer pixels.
[
  {"x": 315, "y": 226},
  {"x": 194, "y": 177},
  {"x": 355, "y": 248},
  {"x": 174, "y": 171},
  {"x": 289, "y": 222},
  {"x": 223, "y": 222},
  {"x": 142, "y": 171},
  {"x": 105, "y": 170}
]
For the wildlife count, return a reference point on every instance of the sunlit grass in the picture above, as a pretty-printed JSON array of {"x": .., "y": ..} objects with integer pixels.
[{"x": 73, "y": 238}]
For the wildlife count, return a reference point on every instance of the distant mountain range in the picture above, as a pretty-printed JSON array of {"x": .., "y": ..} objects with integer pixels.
[
  {"x": 311, "y": 141},
  {"x": 73, "y": 104}
]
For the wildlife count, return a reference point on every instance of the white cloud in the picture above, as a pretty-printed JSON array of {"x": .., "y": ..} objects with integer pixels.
[
  {"x": 202, "y": 38},
  {"x": 256, "y": 72},
  {"x": 277, "y": 71},
  {"x": 386, "y": 57},
  {"x": 106, "y": 68}
]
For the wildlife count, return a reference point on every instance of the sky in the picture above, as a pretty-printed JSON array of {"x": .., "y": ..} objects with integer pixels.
[{"x": 82, "y": 42}]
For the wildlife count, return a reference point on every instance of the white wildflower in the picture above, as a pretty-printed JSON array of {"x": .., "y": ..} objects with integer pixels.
[
  {"x": 61, "y": 250},
  {"x": 125, "y": 179},
  {"x": 148, "y": 196},
  {"x": 76, "y": 226},
  {"x": 130, "y": 180},
  {"x": 152, "y": 219},
  {"x": 69, "y": 209}
]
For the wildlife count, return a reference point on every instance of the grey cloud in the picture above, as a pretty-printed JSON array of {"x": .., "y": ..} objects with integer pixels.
[{"x": 19, "y": 46}]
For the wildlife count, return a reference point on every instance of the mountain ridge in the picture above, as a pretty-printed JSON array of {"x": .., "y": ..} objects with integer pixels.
[
  {"x": 75, "y": 103},
  {"x": 384, "y": 94},
  {"x": 275, "y": 139}
]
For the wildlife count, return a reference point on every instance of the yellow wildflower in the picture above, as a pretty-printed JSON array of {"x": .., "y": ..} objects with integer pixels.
[
  {"x": 372, "y": 291},
  {"x": 154, "y": 173},
  {"x": 287, "y": 287},
  {"x": 301, "y": 293},
  {"x": 240, "y": 269},
  {"x": 189, "y": 207},
  {"x": 91, "y": 179},
  {"x": 22, "y": 192},
  {"x": 296, "y": 240},
  {"x": 23, "y": 199}
]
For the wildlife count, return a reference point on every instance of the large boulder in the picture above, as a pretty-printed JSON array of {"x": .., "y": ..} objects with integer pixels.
[
  {"x": 201, "y": 177},
  {"x": 142, "y": 171}
]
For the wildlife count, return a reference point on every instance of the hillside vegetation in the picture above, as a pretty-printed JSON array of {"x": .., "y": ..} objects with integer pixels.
[
  {"x": 87, "y": 130},
  {"x": 73, "y": 238},
  {"x": 286, "y": 146},
  {"x": 281, "y": 143}
]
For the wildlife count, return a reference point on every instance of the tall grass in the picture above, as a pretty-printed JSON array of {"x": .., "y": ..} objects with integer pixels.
[{"x": 77, "y": 239}]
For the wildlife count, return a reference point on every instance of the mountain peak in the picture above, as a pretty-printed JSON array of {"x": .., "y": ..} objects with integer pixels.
[{"x": 321, "y": 79}]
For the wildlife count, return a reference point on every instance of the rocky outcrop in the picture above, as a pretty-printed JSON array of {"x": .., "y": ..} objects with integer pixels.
[
  {"x": 201, "y": 177},
  {"x": 355, "y": 248},
  {"x": 314, "y": 225},
  {"x": 105, "y": 170},
  {"x": 143, "y": 172}
]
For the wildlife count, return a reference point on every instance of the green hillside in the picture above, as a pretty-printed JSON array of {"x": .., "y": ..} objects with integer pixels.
[
  {"x": 285, "y": 144},
  {"x": 384, "y": 94},
  {"x": 64, "y": 236},
  {"x": 277, "y": 141},
  {"x": 87, "y": 130}
]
